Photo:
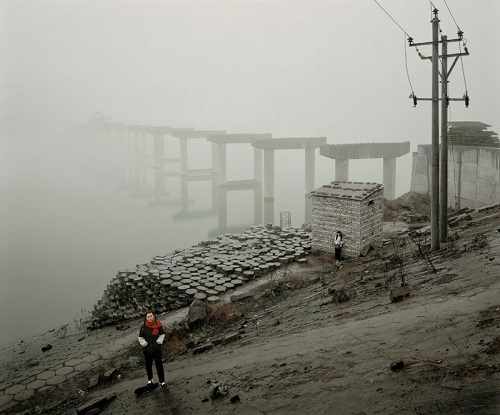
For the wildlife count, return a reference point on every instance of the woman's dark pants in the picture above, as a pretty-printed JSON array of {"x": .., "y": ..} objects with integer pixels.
[{"x": 156, "y": 356}]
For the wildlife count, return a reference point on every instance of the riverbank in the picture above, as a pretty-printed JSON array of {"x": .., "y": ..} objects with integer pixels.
[{"x": 329, "y": 337}]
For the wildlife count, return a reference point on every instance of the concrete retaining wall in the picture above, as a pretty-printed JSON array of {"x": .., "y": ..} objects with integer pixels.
[{"x": 473, "y": 175}]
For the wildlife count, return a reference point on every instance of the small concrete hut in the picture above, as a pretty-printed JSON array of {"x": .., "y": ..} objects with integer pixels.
[{"x": 354, "y": 208}]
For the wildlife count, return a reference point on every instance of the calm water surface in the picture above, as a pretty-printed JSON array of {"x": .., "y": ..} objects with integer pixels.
[{"x": 72, "y": 216}]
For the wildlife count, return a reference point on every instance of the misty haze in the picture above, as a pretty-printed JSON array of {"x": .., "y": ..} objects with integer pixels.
[{"x": 75, "y": 205}]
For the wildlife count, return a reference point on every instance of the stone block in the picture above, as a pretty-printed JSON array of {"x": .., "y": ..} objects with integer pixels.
[
  {"x": 82, "y": 367},
  {"x": 64, "y": 370},
  {"x": 56, "y": 380},
  {"x": 399, "y": 293},
  {"x": 239, "y": 297},
  {"x": 231, "y": 337},
  {"x": 72, "y": 362},
  {"x": 15, "y": 389},
  {"x": 110, "y": 375},
  {"x": 202, "y": 348},
  {"x": 93, "y": 382},
  {"x": 5, "y": 399},
  {"x": 99, "y": 402},
  {"x": 37, "y": 384},
  {"x": 46, "y": 375},
  {"x": 90, "y": 358},
  {"x": 24, "y": 395}
]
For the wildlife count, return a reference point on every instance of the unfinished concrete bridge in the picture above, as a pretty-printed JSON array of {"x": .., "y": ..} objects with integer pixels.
[{"x": 146, "y": 148}]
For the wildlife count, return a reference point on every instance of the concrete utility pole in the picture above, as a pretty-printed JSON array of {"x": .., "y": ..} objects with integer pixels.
[
  {"x": 439, "y": 179},
  {"x": 435, "y": 136},
  {"x": 443, "y": 177}
]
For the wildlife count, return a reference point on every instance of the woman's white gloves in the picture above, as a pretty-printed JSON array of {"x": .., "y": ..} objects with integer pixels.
[
  {"x": 160, "y": 339},
  {"x": 143, "y": 341}
]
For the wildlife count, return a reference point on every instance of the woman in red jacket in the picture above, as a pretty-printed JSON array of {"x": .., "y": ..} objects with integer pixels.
[{"x": 151, "y": 337}]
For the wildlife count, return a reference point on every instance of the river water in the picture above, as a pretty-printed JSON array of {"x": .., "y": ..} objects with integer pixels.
[{"x": 73, "y": 214}]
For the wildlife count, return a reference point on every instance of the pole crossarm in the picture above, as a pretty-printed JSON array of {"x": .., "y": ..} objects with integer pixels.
[
  {"x": 438, "y": 99},
  {"x": 450, "y": 55},
  {"x": 434, "y": 43}
]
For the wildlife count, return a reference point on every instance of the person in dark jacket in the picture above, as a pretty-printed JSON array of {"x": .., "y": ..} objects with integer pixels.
[
  {"x": 338, "y": 242},
  {"x": 151, "y": 337}
]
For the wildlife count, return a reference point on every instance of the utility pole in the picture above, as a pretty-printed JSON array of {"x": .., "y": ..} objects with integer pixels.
[
  {"x": 435, "y": 136},
  {"x": 443, "y": 176},
  {"x": 439, "y": 183}
]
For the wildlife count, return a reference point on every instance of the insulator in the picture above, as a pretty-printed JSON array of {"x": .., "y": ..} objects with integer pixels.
[{"x": 467, "y": 100}]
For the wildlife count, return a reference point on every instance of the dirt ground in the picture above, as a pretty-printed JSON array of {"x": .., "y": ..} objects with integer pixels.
[{"x": 324, "y": 339}]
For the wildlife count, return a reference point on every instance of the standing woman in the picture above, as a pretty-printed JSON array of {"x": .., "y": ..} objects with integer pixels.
[
  {"x": 338, "y": 242},
  {"x": 151, "y": 338}
]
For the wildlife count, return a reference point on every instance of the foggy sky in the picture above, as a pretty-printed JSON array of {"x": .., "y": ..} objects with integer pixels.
[{"x": 292, "y": 68}]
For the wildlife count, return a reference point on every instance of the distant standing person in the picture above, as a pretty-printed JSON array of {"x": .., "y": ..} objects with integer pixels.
[
  {"x": 338, "y": 242},
  {"x": 151, "y": 336}
]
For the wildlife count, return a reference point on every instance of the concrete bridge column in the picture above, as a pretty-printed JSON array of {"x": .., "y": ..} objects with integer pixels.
[
  {"x": 215, "y": 158},
  {"x": 257, "y": 204},
  {"x": 222, "y": 209},
  {"x": 269, "y": 186},
  {"x": 221, "y": 163},
  {"x": 158, "y": 150},
  {"x": 310, "y": 172},
  {"x": 257, "y": 164},
  {"x": 342, "y": 169},
  {"x": 184, "y": 156},
  {"x": 137, "y": 159},
  {"x": 159, "y": 166},
  {"x": 144, "y": 142},
  {"x": 389, "y": 178}
]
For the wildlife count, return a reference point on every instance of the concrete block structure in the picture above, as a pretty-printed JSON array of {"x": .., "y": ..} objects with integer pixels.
[{"x": 354, "y": 208}]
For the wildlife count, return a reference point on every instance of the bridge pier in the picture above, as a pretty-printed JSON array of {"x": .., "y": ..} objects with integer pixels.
[
  {"x": 389, "y": 178},
  {"x": 342, "y": 170},
  {"x": 342, "y": 153}
]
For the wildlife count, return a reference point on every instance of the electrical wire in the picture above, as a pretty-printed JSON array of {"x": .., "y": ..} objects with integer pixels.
[
  {"x": 379, "y": 5},
  {"x": 407, "y": 72},
  {"x": 451, "y": 14},
  {"x": 455, "y": 182},
  {"x": 463, "y": 71}
]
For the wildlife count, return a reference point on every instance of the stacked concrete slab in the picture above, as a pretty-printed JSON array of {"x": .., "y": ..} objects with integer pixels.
[
  {"x": 202, "y": 272},
  {"x": 354, "y": 208}
]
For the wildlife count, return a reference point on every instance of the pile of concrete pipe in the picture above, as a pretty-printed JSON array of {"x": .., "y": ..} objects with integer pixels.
[{"x": 203, "y": 272}]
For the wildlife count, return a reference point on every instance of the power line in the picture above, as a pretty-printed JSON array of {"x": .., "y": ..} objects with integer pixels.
[
  {"x": 391, "y": 18},
  {"x": 407, "y": 72},
  {"x": 451, "y": 14},
  {"x": 462, "y": 63}
]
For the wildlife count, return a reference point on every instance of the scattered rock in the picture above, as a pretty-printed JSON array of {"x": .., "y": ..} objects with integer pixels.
[
  {"x": 239, "y": 297},
  {"x": 234, "y": 399},
  {"x": 93, "y": 382},
  {"x": 46, "y": 348},
  {"x": 110, "y": 375},
  {"x": 197, "y": 313},
  {"x": 397, "y": 366},
  {"x": 99, "y": 402},
  {"x": 399, "y": 293},
  {"x": 203, "y": 348},
  {"x": 218, "y": 391},
  {"x": 364, "y": 250}
]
